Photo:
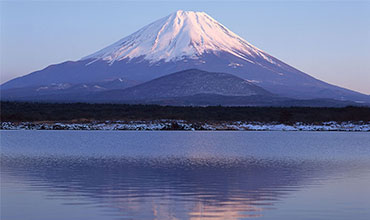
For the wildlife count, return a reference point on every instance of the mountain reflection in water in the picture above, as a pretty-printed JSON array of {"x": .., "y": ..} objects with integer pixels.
[
  {"x": 169, "y": 187},
  {"x": 102, "y": 175}
]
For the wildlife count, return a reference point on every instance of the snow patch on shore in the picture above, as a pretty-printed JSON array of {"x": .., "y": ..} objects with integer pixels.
[{"x": 187, "y": 126}]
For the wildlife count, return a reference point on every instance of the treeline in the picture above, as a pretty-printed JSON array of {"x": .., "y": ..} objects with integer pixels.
[{"x": 31, "y": 112}]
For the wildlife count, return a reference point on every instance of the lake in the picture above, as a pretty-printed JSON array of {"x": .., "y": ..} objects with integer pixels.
[{"x": 230, "y": 175}]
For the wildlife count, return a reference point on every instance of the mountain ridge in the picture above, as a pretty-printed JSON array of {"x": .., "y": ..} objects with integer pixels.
[
  {"x": 185, "y": 88},
  {"x": 186, "y": 83},
  {"x": 181, "y": 41}
]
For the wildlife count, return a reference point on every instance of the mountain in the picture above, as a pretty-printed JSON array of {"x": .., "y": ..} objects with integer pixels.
[
  {"x": 200, "y": 88},
  {"x": 181, "y": 84},
  {"x": 180, "y": 41},
  {"x": 64, "y": 90},
  {"x": 185, "y": 88},
  {"x": 185, "y": 83}
]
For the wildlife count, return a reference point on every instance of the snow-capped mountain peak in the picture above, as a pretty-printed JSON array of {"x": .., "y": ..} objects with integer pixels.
[
  {"x": 181, "y": 34},
  {"x": 180, "y": 41}
]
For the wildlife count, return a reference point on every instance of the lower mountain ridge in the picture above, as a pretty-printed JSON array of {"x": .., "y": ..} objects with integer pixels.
[
  {"x": 186, "y": 83},
  {"x": 191, "y": 87}
]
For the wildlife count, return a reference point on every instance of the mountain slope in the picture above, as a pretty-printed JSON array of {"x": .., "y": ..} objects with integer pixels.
[
  {"x": 64, "y": 89},
  {"x": 185, "y": 88},
  {"x": 186, "y": 40},
  {"x": 178, "y": 35},
  {"x": 185, "y": 83}
]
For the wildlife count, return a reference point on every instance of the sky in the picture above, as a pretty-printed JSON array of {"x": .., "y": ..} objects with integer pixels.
[{"x": 329, "y": 40}]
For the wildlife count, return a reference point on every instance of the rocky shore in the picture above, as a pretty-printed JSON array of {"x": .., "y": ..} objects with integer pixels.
[{"x": 187, "y": 126}]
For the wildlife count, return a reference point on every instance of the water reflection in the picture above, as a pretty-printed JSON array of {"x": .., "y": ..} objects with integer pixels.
[
  {"x": 183, "y": 175},
  {"x": 167, "y": 187}
]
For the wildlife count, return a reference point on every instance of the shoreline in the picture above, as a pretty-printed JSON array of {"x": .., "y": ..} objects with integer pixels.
[{"x": 158, "y": 125}]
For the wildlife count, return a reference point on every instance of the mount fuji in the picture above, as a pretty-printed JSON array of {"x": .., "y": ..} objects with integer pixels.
[{"x": 180, "y": 41}]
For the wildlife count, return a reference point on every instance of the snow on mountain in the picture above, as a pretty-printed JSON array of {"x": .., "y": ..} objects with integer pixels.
[
  {"x": 180, "y": 41},
  {"x": 178, "y": 35}
]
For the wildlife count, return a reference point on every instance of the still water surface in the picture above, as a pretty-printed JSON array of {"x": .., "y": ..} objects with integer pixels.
[{"x": 184, "y": 175}]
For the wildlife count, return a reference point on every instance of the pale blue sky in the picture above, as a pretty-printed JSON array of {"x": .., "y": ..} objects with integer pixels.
[{"x": 329, "y": 40}]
